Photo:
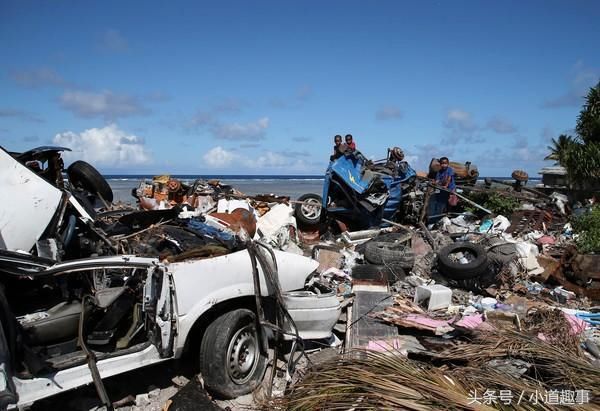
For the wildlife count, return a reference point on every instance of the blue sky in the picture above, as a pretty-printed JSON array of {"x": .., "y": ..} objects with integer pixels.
[{"x": 239, "y": 87}]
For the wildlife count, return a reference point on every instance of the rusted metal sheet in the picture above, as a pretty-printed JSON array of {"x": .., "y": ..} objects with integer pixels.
[
  {"x": 529, "y": 220},
  {"x": 586, "y": 266},
  {"x": 239, "y": 219}
]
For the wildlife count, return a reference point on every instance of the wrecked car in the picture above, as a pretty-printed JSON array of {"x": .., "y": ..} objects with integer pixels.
[
  {"x": 86, "y": 295},
  {"x": 361, "y": 192}
]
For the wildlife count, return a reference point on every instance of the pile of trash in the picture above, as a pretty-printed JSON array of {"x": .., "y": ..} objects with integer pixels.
[
  {"x": 497, "y": 312},
  {"x": 268, "y": 217},
  {"x": 481, "y": 310},
  {"x": 466, "y": 310}
]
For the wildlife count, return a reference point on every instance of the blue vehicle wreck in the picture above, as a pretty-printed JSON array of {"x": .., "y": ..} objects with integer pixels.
[{"x": 362, "y": 193}]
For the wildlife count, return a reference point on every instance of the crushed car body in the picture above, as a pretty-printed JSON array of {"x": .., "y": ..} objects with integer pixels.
[
  {"x": 361, "y": 193},
  {"x": 87, "y": 294}
]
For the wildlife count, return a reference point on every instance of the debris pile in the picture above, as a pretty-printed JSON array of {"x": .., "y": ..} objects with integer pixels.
[
  {"x": 483, "y": 311},
  {"x": 493, "y": 303},
  {"x": 465, "y": 310}
]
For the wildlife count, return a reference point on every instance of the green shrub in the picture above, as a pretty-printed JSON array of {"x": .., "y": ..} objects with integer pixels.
[
  {"x": 588, "y": 228},
  {"x": 496, "y": 202}
]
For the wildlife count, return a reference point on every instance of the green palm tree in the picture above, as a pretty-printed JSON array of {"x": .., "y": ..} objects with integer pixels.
[
  {"x": 588, "y": 121},
  {"x": 581, "y": 155},
  {"x": 560, "y": 149}
]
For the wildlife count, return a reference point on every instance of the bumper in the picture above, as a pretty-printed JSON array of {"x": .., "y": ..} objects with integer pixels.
[{"x": 315, "y": 315}]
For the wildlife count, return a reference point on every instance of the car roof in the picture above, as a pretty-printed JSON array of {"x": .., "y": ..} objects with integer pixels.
[{"x": 39, "y": 153}]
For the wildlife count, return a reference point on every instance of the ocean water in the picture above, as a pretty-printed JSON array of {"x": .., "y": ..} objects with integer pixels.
[{"x": 292, "y": 186}]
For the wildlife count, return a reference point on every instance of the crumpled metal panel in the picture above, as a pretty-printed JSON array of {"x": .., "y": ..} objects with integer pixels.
[{"x": 28, "y": 204}]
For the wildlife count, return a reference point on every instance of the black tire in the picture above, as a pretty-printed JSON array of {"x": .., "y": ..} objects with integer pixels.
[
  {"x": 455, "y": 270},
  {"x": 308, "y": 209},
  {"x": 84, "y": 175},
  {"x": 392, "y": 237},
  {"x": 390, "y": 272},
  {"x": 219, "y": 345},
  {"x": 383, "y": 253},
  {"x": 383, "y": 238}
]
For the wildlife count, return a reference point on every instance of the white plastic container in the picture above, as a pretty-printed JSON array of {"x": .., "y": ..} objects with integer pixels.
[{"x": 439, "y": 296}]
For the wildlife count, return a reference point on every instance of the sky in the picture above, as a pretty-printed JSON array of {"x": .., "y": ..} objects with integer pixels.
[{"x": 261, "y": 87}]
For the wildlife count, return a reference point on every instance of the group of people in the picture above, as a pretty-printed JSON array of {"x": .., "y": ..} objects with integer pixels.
[
  {"x": 444, "y": 178},
  {"x": 340, "y": 148}
]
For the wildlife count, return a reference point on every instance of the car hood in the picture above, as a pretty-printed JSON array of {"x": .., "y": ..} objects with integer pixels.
[{"x": 29, "y": 204}]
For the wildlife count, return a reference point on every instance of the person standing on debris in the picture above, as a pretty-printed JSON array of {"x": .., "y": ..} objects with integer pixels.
[
  {"x": 438, "y": 203},
  {"x": 445, "y": 176},
  {"x": 350, "y": 142}
]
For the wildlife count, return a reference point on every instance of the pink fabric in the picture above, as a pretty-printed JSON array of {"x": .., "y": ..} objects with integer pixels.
[
  {"x": 577, "y": 324},
  {"x": 426, "y": 321},
  {"x": 471, "y": 321},
  {"x": 384, "y": 346},
  {"x": 546, "y": 240}
]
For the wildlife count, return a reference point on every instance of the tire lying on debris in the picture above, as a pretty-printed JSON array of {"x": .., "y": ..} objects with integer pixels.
[
  {"x": 390, "y": 272},
  {"x": 382, "y": 253},
  {"x": 395, "y": 237},
  {"x": 308, "y": 209},
  {"x": 232, "y": 361},
  {"x": 451, "y": 266},
  {"x": 83, "y": 175}
]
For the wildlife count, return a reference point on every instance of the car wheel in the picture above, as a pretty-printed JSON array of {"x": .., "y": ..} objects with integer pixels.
[
  {"x": 85, "y": 176},
  {"x": 382, "y": 253},
  {"x": 394, "y": 237},
  {"x": 461, "y": 261},
  {"x": 308, "y": 209},
  {"x": 232, "y": 362}
]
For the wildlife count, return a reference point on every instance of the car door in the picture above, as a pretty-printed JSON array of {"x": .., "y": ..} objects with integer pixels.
[{"x": 159, "y": 297}]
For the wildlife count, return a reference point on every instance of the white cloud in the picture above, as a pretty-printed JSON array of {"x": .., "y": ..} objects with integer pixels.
[
  {"x": 103, "y": 104},
  {"x": 460, "y": 120},
  {"x": 248, "y": 131},
  {"x": 269, "y": 159},
  {"x": 581, "y": 78},
  {"x": 201, "y": 118},
  {"x": 295, "y": 101},
  {"x": 501, "y": 125},
  {"x": 388, "y": 113},
  {"x": 107, "y": 146},
  {"x": 229, "y": 105},
  {"x": 219, "y": 157},
  {"x": 113, "y": 40},
  {"x": 21, "y": 114},
  {"x": 36, "y": 78}
]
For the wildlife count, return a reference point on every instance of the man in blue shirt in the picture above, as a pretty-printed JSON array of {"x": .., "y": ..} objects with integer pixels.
[
  {"x": 438, "y": 203},
  {"x": 445, "y": 176}
]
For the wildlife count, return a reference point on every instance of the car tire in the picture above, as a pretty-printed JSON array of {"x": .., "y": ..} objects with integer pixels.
[
  {"x": 393, "y": 272},
  {"x": 456, "y": 270},
  {"x": 383, "y": 238},
  {"x": 392, "y": 237},
  {"x": 383, "y": 253},
  {"x": 84, "y": 175},
  {"x": 308, "y": 209},
  {"x": 232, "y": 362}
]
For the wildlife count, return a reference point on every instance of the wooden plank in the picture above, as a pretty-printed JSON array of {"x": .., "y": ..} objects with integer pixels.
[{"x": 363, "y": 328}]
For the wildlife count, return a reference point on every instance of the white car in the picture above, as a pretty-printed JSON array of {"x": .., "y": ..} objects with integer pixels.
[{"x": 72, "y": 322}]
